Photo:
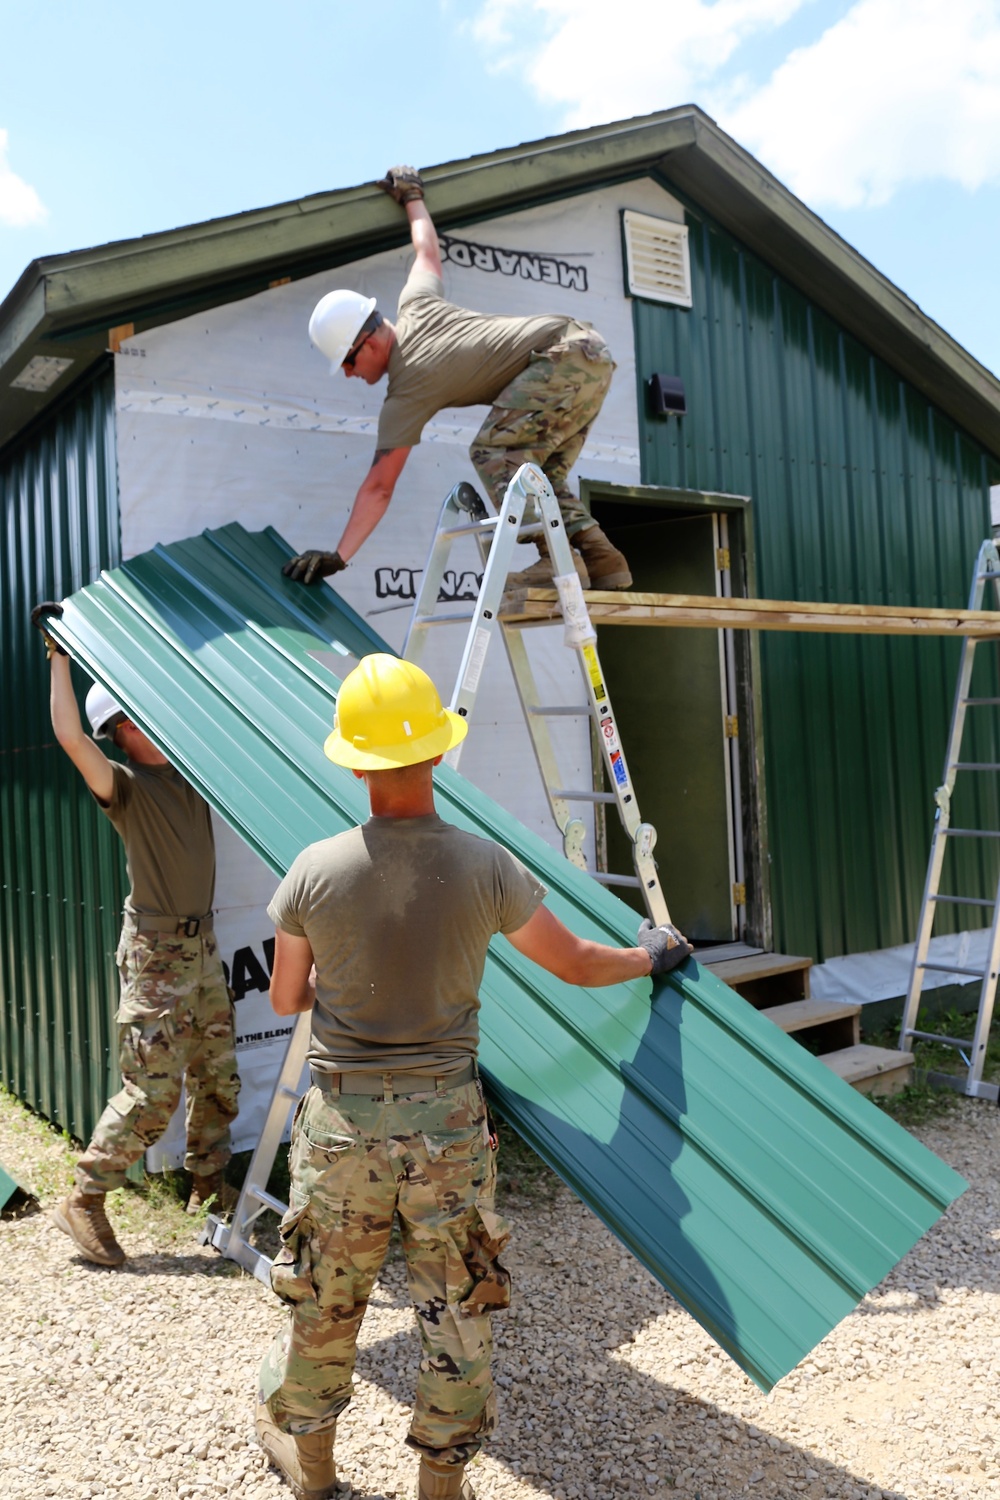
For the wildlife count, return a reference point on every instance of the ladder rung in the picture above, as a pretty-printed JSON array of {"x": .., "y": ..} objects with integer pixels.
[
  {"x": 976, "y": 765},
  {"x": 953, "y": 969},
  {"x": 470, "y": 527},
  {"x": 423, "y": 621},
  {"x": 980, "y": 702},
  {"x": 934, "y": 1036},
  {"x": 559, "y": 710},
  {"x": 964, "y": 901},
  {"x": 268, "y": 1199},
  {"x": 981, "y": 576},
  {"x": 605, "y": 879},
  {"x": 568, "y": 796},
  {"x": 969, "y": 833}
]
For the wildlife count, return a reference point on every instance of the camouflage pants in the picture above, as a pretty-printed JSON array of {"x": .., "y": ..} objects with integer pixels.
[
  {"x": 542, "y": 417},
  {"x": 355, "y": 1161},
  {"x": 175, "y": 1023}
]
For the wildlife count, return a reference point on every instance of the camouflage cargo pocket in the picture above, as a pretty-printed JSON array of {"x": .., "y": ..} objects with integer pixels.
[
  {"x": 488, "y": 1238},
  {"x": 153, "y": 971},
  {"x": 292, "y": 1267}
]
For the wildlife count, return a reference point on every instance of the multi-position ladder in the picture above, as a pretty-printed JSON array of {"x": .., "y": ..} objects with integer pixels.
[
  {"x": 464, "y": 514},
  {"x": 973, "y": 1054}
]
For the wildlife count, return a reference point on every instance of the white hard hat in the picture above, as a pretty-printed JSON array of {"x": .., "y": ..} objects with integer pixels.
[
  {"x": 100, "y": 708},
  {"x": 336, "y": 321}
]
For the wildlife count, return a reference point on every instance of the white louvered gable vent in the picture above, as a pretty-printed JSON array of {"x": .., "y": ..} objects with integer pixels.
[{"x": 657, "y": 258}]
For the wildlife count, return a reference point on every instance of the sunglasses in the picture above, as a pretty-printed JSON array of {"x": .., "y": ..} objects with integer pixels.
[{"x": 352, "y": 355}]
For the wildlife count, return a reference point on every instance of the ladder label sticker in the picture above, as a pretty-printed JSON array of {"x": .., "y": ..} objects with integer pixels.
[
  {"x": 477, "y": 656},
  {"x": 608, "y": 731},
  {"x": 594, "y": 671},
  {"x": 618, "y": 767}
]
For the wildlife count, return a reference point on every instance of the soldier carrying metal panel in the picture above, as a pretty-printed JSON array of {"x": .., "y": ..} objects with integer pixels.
[
  {"x": 544, "y": 379},
  {"x": 175, "y": 1015},
  {"x": 382, "y": 934}
]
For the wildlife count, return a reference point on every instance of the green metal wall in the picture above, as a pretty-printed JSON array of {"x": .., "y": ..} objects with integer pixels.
[
  {"x": 863, "y": 492},
  {"x": 61, "y": 871}
]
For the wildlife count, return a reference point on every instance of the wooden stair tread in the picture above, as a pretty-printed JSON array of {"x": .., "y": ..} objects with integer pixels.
[
  {"x": 734, "y": 971},
  {"x": 796, "y": 1015},
  {"x": 871, "y": 1070}
]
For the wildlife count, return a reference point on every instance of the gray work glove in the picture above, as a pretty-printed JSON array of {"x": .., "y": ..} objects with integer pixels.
[
  {"x": 310, "y": 567},
  {"x": 38, "y": 617},
  {"x": 665, "y": 945},
  {"x": 402, "y": 183}
]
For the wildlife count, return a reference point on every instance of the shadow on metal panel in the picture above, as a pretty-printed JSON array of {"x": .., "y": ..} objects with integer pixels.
[{"x": 764, "y": 1193}]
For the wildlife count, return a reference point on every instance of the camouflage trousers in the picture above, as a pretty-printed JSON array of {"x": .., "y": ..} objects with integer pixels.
[
  {"x": 175, "y": 1024},
  {"x": 542, "y": 417},
  {"x": 355, "y": 1162}
]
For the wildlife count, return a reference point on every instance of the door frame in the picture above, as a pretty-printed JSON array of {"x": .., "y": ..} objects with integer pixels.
[{"x": 737, "y": 510}]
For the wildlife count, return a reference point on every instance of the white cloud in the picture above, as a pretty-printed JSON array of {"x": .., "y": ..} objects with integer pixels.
[
  {"x": 894, "y": 92},
  {"x": 20, "y": 205},
  {"x": 897, "y": 91},
  {"x": 610, "y": 59}
]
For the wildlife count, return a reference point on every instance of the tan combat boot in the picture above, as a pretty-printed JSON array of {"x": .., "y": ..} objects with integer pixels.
[
  {"x": 83, "y": 1218},
  {"x": 608, "y": 568},
  {"x": 443, "y": 1482},
  {"x": 208, "y": 1186},
  {"x": 306, "y": 1462},
  {"x": 540, "y": 574}
]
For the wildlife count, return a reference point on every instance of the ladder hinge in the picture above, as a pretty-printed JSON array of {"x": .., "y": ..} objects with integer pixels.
[
  {"x": 722, "y": 559},
  {"x": 740, "y": 894},
  {"x": 732, "y": 726}
]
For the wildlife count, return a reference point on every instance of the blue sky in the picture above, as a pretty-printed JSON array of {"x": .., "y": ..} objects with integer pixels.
[{"x": 118, "y": 119}]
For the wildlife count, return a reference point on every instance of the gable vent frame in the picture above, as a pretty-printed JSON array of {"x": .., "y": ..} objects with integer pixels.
[{"x": 657, "y": 259}]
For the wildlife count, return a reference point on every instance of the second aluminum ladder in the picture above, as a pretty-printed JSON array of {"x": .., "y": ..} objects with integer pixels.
[{"x": 973, "y": 1054}]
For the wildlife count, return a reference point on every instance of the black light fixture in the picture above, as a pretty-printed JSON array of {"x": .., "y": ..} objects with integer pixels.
[{"x": 666, "y": 396}]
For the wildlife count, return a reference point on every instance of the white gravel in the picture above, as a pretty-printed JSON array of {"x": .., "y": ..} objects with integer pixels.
[{"x": 138, "y": 1384}]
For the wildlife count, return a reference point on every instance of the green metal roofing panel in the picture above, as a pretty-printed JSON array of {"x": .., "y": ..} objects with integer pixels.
[{"x": 765, "y": 1194}]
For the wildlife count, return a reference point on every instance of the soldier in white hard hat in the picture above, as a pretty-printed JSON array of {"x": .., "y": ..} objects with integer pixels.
[
  {"x": 382, "y": 934},
  {"x": 543, "y": 378},
  {"x": 175, "y": 1016}
]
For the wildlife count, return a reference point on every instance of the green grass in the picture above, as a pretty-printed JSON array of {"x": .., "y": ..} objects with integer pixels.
[{"x": 921, "y": 1101}]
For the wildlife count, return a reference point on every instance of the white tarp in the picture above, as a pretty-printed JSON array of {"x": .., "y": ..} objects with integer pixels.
[{"x": 232, "y": 415}]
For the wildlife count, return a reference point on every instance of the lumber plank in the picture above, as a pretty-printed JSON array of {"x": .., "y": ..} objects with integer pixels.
[{"x": 698, "y": 611}]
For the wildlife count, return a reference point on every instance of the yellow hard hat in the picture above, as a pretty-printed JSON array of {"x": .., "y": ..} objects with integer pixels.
[{"x": 388, "y": 715}]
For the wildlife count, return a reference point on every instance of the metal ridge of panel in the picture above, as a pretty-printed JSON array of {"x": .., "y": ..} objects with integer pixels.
[{"x": 764, "y": 1193}]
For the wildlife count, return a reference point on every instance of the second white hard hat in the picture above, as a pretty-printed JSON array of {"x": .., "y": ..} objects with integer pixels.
[
  {"x": 101, "y": 707},
  {"x": 336, "y": 321}
]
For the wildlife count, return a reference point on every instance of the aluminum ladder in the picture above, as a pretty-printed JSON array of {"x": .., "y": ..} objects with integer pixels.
[
  {"x": 973, "y": 1054},
  {"x": 464, "y": 514},
  {"x": 232, "y": 1236}
]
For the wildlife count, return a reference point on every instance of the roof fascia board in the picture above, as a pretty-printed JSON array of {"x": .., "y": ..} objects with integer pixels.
[{"x": 28, "y": 317}]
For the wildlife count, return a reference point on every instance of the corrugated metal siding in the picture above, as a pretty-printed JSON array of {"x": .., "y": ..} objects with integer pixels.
[
  {"x": 761, "y": 1190},
  {"x": 862, "y": 492},
  {"x": 61, "y": 872}
]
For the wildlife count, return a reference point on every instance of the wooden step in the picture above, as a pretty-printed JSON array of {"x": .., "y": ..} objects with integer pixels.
[
  {"x": 832, "y": 1025},
  {"x": 765, "y": 978},
  {"x": 871, "y": 1070}
]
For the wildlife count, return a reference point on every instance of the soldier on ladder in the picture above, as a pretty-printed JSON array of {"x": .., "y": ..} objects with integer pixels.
[
  {"x": 382, "y": 934},
  {"x": 545, "y": 379}
]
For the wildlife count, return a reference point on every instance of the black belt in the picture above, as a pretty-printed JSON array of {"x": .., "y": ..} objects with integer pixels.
[
  {"x": 390, "y": 1085},
  {"x": 174, "y": 926}
]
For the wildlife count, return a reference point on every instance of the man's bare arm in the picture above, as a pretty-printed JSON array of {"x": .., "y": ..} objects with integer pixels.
[
  {"x": 293, "y": 977},
  {"x": 424, "y": 237},
  {"x": 551, "y": 945},
  {"x": 89, "y": 758},
  {"x": 372, "y": 500}
]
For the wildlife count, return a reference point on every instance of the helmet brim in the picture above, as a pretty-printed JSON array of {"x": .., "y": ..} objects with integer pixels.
[{"x": 391, "y": 757}]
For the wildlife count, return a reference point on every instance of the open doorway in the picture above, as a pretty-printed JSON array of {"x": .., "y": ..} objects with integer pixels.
[{"x": 684, "y": 702}]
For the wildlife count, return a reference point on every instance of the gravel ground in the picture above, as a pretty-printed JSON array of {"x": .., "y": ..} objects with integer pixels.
[{"x": 138, "y": 1384}]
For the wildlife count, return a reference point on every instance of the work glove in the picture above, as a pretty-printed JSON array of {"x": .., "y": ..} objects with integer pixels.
[
  {"x": 402, "y": 183},
  {"x": 310, "y": 567},
  {"x": 38, "y": 617},
  {"x": 665, "y": 945}
]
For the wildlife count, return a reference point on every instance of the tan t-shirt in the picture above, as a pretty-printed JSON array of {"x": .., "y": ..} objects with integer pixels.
[
  {"x": 447, "y": 356},
  {"x": 166, "y": 827},
  {"x": 399, "y": 914}
]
